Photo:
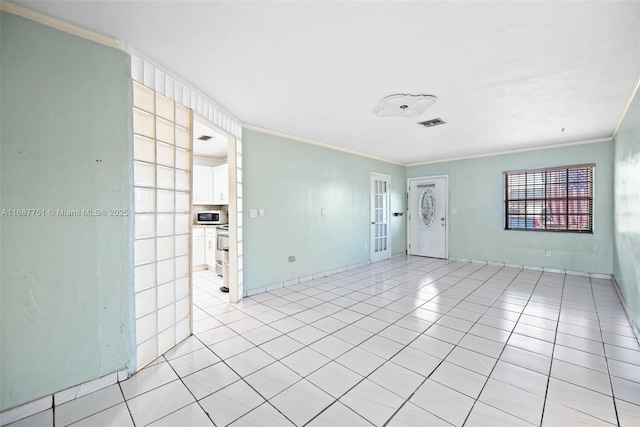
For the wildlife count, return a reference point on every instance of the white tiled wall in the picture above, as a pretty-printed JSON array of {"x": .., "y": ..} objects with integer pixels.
[
  {"x": 162, "y": 179},
  {"x": 235, "y": 223}
]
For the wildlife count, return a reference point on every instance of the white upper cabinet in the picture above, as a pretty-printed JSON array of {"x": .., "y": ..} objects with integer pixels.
[
  {"x": 221, "y": 185},
  {"x": 202, "y": 185}
]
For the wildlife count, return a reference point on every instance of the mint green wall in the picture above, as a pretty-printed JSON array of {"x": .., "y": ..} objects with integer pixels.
[
  {"x": 292, "y": 181},
  {"x": 626, "y": 189},
  {"x": 477, "y": 230},
  {"x": 66, "y": 144}
]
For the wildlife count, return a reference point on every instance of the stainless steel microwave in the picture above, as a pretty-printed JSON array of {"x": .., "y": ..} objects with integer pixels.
[{"x": 212, "y": 217}]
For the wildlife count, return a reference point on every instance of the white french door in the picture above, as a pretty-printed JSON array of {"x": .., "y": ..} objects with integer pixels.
[
  {"x": 380, "y": 214},
  {"x": 428, "y": 204}
]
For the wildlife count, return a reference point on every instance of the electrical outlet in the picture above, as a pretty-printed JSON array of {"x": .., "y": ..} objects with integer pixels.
[
  {"x": 292, "y": 258},
  {"x": 547, "y": 252}
]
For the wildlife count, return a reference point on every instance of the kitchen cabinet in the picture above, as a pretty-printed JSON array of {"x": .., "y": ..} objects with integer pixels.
[
  {"x": 221, "y": 185},
  {"x": 210, "y": 247},
  {"x": 202, "y": 185},
  {"x": 198, "y": 247}
]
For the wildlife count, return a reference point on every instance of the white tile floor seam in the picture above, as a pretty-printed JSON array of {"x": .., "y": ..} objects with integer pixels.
[{"x": 395, "y": 343}]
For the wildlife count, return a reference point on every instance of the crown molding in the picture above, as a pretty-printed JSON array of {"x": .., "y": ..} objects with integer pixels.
[
  {"x": 627, "y": 106},
  {"x": 58, "y": 24},
  {"x": 522, "y": 150},
  {"x": 319, "y": 144}
]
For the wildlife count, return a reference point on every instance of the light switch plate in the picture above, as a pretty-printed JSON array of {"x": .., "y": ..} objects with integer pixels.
[
  {"x": 261, "y": 214},
  {"x": 253, "y": 213}
]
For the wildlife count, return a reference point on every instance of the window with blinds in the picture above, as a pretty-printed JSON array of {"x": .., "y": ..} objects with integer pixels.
[{"x": 549, "y": 199}]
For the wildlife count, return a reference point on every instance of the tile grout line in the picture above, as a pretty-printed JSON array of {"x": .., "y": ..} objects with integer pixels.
[
  {"x": 388, "y": 360},
  {"x": 354, "y": 346},
  {"x": 555, "y": 339},
  {"x": 475, "y": 400},
  {"x": 604, "y": 350},
  {"x": 405, "y": 294}
]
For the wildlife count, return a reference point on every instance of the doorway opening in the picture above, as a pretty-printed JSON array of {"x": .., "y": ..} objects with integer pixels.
[{"x": 210, "y": 243}]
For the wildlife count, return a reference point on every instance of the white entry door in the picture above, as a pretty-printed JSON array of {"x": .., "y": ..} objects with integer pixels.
[
  {"x": 428, "y": 202},
  {"x": 380, "y": 212}
]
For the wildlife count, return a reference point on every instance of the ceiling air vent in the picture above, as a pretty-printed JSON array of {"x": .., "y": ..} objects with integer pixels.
[
  {"x": 432, "y": 122},
  {"x": 205, "y": 137}
]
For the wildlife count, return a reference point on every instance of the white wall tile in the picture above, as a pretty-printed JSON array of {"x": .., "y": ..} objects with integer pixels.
[
  {"x": 144, "y": 277},
  {"x": 166, "y": 247},
  {"x": 144, "y": 174},
  {"x": 182, "y": 202},
  {"x": 183, "y": 308},
  {"x": 182, "y": 287},
  {"x": 165, "y": 154},
  {"x": 143, "y": 123},
  {"x": 143, "y": 98},
  {"x": 166, "y": 339},
  {"x": 145, "y": 200},
  {"x": 145, "y": 302},
  {"x": 144, "y": 251},
  {"x": 165, "y": 131},
  {"x": 182, "y": 138},
  {"x": 183, "y": 116},
  {"x": 182, "y": 223},
  {"x": 182, "y": 245},
  {"x": 165, "y": 224},
  {"x": 166, "y": 294},
  {"x": 147, "y": 352},
  {"x": 146, "y": 327},
  {"x": 182, "y": 158},
  {"x": 165, "y": 107},
  {"x": 183, "y": 181},
  {"x": 183, "y": 329},
  {"x": 144, "y": 148},
  {"x": 166, "y": 201},
  {"x": 182, "y": 266},
  {"x": 145, "y": 225},
  {"x": 166, "y": 317},
  {"x": 165, "y": 178},
  {"x": 166, "y": 270}
]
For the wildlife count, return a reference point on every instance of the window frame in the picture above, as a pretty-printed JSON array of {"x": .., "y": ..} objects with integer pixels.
[{"x": 557, "y": 200}]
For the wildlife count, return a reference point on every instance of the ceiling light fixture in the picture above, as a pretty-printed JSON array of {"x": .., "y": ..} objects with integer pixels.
[{"x": 404, "y": 105}]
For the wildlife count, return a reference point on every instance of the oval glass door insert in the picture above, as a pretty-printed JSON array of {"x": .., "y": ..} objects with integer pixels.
[{"x": 427, "y": 207}]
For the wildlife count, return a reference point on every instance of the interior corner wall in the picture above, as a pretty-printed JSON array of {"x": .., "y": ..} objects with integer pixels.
[
  {"x": 66, "y": 294},
  {"x": 292, "y": 181},
  {"x": 477, "y": 230},
  {"x": 626, "y": 189}
]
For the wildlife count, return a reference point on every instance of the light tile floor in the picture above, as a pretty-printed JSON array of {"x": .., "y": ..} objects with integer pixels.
[{"x": 406, "y": 342}]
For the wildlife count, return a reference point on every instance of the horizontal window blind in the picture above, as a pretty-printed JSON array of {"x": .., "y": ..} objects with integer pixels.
[{"x": 549, "y": 199}]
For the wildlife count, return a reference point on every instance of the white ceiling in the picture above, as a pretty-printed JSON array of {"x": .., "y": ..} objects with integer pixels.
[
  {"x": 216, "y": 146},
  {"x": 507, "y": 75}
]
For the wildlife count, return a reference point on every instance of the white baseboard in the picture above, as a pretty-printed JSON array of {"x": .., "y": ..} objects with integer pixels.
[{"x": 67, "y": 395}]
